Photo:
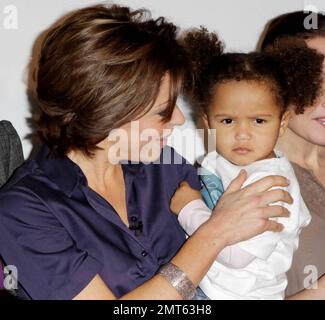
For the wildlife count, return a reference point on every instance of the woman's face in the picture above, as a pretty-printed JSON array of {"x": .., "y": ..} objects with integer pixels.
[
  {"x": 311, "y": 124},
  {"x": 143, "y": 139}
]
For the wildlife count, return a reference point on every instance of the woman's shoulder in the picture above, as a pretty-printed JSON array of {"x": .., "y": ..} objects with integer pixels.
[
  {"x": 312, "y": 191},
  {"x": 25, "y": 202},
  {"x": 306, "y": 177},
  {"x": 25, "y": 186}
]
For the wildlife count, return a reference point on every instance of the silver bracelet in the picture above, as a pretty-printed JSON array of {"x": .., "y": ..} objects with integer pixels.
[{"x": 179, "y": 280}]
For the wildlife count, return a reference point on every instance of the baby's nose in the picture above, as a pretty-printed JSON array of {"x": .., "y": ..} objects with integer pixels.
[{"x": 243, "y": 131}]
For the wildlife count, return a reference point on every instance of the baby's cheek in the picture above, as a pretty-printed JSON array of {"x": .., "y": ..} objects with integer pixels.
[{"x": 223, "y": 147}]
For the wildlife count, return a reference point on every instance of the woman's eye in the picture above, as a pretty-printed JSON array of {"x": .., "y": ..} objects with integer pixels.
[
  {"x": 163, "y": 113},
  {"x": 226, "y": 121},
  {"x": 260, "y": 121}
]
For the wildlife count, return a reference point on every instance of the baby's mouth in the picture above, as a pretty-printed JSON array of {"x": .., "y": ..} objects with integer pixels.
[{"x": 242, "y": 150}]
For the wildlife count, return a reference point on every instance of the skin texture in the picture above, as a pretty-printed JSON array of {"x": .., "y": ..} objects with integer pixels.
[{"x": 247, "y": 121}]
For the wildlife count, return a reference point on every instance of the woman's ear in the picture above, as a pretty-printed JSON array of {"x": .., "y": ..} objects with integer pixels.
[{"x": 284, "y": 122}]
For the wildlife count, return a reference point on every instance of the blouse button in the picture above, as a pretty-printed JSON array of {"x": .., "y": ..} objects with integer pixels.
[
  {"x": 134, "y": 219},
  {"x": 144, "y": 253}
]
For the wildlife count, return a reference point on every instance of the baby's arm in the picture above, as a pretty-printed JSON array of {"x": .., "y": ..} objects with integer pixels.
[
  {"x": 196, "y": 213},
  {"x": 193, "y": 215},
  {"x": 183, "y": 196},
  {"x": 193, "y": 212}
]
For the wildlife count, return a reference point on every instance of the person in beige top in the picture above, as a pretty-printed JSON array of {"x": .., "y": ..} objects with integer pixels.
[{"x": 304, "y": 145}]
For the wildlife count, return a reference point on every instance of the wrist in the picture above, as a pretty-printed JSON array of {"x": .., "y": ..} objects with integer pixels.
[
  {"x": 212, "y": 236},
  {"x": 198, "y": 254},
  {"x": 179, "y": 280}
]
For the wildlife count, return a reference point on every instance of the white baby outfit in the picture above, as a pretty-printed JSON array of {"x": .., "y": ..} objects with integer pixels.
[{"x": 263, "y": 275}]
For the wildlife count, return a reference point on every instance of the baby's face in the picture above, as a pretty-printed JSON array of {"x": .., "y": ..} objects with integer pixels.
[{"x": 247, "y": 121}]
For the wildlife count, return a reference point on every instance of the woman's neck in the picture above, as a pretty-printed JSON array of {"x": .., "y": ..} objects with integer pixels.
[
  {"x": 302, "y": 152},
  {"x": 98, "y": 170}
]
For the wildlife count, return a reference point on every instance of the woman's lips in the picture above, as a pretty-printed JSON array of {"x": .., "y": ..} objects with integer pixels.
[
  {"x": 242, "y": 151},
  {"x": 321, "y": 121}
]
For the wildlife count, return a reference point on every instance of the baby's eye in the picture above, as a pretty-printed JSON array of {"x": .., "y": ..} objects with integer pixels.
[
  {"x": 226, "y": 121},
  {"x": 260, "y": 121}
]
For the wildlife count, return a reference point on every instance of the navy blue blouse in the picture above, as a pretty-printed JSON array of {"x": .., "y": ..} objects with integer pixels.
[{"x": 59, "y": 233}]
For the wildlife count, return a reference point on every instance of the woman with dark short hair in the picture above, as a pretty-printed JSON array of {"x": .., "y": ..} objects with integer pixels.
[
  {"x": 304, "y": 145},
  {"x": 89, "y": 217}
]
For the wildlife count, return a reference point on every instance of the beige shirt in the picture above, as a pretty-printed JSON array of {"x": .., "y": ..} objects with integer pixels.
[{"x": 310, "y": 255}]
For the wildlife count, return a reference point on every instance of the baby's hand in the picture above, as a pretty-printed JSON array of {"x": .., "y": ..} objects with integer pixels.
[{"x": 182, "y": 196}]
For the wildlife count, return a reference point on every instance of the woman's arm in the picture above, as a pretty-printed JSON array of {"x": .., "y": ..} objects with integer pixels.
[
  {"x": 194, "y": 258},
  {"x": 193, "y": 215},
  {"x": 239, "y": 215}
]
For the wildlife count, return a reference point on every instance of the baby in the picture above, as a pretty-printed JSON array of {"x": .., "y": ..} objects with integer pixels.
[{"x": 245, "y": 99}]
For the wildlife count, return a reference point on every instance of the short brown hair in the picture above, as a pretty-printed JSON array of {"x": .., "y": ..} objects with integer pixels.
[{"x": 99, "y": 68}]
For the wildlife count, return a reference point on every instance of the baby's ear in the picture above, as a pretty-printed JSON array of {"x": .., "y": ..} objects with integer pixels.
[{"x": 284, "y": 122}]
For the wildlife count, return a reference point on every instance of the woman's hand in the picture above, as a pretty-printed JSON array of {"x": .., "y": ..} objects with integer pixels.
[
  {"x": 182, "y": 196},
  {"x": 241, "y": 214}
]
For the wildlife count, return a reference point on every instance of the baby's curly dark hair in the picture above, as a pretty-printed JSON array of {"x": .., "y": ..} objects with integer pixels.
[{"x": 290, "y": 69}]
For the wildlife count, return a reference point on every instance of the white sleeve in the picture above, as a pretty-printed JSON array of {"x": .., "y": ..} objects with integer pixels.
[
  {"x": 235, "y": 257},
  {"x": 193, "y": 215}
]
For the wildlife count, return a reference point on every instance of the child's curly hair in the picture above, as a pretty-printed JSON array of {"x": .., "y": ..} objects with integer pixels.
[{"x": 290, "y": 69}]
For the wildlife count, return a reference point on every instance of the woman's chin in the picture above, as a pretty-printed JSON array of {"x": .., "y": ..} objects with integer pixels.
[
  {"x": 316, "y": 137},
  {"x": 317, "y": 140}
]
